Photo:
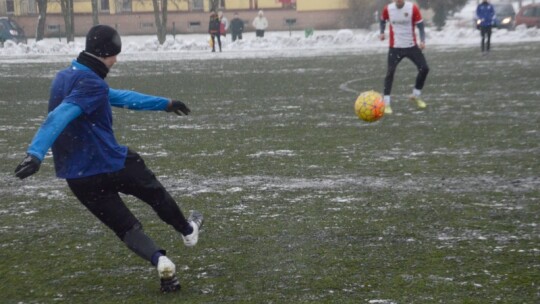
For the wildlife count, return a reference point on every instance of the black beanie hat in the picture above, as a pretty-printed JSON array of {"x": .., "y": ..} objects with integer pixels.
[{"x": 103, "y": 41}]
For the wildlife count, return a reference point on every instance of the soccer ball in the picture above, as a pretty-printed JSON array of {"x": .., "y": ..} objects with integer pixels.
[{"x": 369, "y": 106}]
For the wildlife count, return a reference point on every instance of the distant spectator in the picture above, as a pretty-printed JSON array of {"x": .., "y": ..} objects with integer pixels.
[
  {"x": 237, "y": 27},
  {"x": 485, "y": 12},
  {"x": 224, "y": 25},
  {"x": 260, "y": 24},
  {"x": 214, "y": 31}
]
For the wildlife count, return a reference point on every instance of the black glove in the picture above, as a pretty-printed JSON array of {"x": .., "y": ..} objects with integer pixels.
[
  {"x": 28, "y": 166},
  {"x": 178, "y": 107}
]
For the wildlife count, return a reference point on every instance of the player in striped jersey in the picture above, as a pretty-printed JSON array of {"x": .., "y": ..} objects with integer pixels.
[{"x": 403, "y": 16}]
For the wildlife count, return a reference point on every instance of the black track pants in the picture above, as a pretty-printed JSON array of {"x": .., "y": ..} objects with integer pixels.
[
  {"x": 395, "y": 55},
  {"x": 485, "y": 32},
  {"x": 214, "y": 36},
  {"x": 100, "y": 195}
]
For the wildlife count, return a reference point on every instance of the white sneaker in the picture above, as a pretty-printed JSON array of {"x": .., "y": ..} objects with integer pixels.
[
  {"x": 196, "y": 221},
  {"x": 167, "y": 274},
  {"x": 165, "y": 268}
]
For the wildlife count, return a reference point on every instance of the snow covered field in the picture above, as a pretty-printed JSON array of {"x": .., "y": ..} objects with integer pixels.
[{"x": 304, "y": 202}]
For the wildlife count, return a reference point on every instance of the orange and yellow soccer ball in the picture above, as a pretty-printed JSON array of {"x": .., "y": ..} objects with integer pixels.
[{"x": 369, "y": 106}]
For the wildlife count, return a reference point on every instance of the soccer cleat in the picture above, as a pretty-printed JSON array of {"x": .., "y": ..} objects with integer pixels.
[
  {"x": 196, "y": 221},
  {"x": 419, "y": 102},
  {"x": 169, "y": 285},
  {"x": 167, "y": 274},
  {"x": 388, "y": 109}
]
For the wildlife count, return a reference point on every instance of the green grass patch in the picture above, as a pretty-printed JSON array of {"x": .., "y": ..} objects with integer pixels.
[{"x": 303, "y": 201}]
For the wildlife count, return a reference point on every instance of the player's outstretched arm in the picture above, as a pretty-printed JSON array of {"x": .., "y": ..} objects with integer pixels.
[
  {"x": 56, "y": 122},
  {"x": 137, "y": 101}
]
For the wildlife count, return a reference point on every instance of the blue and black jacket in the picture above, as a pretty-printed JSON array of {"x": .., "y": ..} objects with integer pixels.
[{"x": 79, "y": 124}]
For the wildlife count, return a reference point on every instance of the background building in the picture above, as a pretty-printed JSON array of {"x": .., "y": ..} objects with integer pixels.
[{"x": 132, "y": 17}]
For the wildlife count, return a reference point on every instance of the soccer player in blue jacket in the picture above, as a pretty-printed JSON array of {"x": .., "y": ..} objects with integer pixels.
[
  {"x": 485, "y": 13},
  {"x": 97, "y": 168}
]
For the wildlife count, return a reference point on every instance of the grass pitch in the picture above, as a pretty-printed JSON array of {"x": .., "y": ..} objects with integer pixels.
[{"x": 303, "y": 201}]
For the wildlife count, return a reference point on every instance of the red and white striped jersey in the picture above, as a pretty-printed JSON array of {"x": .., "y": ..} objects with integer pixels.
[{"x": 402, "y": 22}]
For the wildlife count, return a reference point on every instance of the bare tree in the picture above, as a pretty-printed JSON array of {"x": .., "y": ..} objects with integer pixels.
[
  {"x": 441, "y": 9},
  {"x": 69, "y": 19},
  {"x": 160, "y": 16},
  {"x": 95, "y": 12},
  {"x": 364, "y": 13},
  {"x": 40, "y": 30},
  {"x": 214, "y": 5}
]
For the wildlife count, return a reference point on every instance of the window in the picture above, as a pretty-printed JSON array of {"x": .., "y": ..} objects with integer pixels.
[
  {"x": 53, "y": 28},
  {"x": 290, "y": 22},
  {"x": 197, "y": 5},
  {"x": 504, "y": 9},
  {"x": 126, "y": 5},
  {"x": 253, "y": 4},
  {"x": 10, "y": 6},
  {"x": 288, "y": 3},
  {"x": 529, "y": 12},
  {"x": 193, "y": 25},
  {"x": 146, "y": 25},
  {"x": 32, "y": 7},
  {"x": 104, "y": 5}
]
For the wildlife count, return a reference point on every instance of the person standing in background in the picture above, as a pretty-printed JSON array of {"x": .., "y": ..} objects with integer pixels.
[
  {"x": 260, "y": 23},
  {"x": 237, "y": 27},
  {"x": 485, "y": 13},
  {"x": 214, "y": 29},
  {"x": 224, "y": 25}
]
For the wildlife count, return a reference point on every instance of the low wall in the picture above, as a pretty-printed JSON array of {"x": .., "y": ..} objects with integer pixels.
[{"x": 189, "y": 22}]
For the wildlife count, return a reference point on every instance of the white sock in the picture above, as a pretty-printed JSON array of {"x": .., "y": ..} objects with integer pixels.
[
  {"x": 386, "y": 99},
  {"x": 416, "y": 92}
]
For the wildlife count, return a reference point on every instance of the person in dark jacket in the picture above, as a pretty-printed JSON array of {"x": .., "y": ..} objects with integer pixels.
[
  {"x": 485, "y": 13},
  {"x": 237, "y": 27},
  {"x": 214, "y": 29},
  {"x": 97, "y": 169}
]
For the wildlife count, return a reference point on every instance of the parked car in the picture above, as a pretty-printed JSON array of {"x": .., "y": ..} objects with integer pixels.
[
  {"x": 529, "y": 15},
  {"x": 10, "y": 30},
  {"x": 505, "y": 16}
]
